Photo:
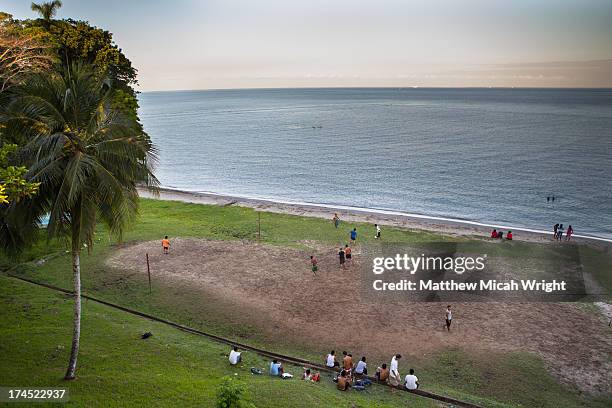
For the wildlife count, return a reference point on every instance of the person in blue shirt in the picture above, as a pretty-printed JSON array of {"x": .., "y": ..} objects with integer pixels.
[
  {"x": 276, "y": 369},
  {"x": 353, "y": 236}
]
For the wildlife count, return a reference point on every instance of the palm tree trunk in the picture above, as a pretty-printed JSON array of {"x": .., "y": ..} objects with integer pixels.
[{"x": 76, "y": 280}]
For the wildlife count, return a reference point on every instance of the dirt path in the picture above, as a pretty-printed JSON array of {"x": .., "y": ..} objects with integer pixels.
[{"x": 274, "y": 287}]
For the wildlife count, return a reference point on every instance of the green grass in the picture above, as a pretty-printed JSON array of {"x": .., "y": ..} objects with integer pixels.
[
  {"x": 473, "y": 378},
  {"x": 118, "y": 369}
]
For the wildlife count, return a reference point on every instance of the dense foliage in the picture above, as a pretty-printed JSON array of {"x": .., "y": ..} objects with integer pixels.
[{"x": 68, "y": 113}]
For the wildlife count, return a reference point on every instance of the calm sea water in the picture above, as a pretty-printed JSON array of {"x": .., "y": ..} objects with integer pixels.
[{"x": 486, "y": 155}]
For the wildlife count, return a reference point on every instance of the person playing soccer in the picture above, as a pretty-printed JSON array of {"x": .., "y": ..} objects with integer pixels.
[
  {"x": 377, "y": 236},
  {"x": 166, "y": 245},
  {"x": 353, "y": 236},
  {"x": 449, "y": 317},
  {"x": 336, "y": 220},
  {"x": 313, "y": 262}
]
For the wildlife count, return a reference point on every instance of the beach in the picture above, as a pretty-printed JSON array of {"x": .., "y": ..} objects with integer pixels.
[
  {"x": 347, "y": 214},
  {"x": 536, "y": 158}
]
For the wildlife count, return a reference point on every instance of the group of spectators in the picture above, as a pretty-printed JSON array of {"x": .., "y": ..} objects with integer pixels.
[
  {"x": 351, "y": 374},
  {"x": 500, "y": 235},
  {"x": 558, "y": 231},
  {"x": 355, "y": 373}
]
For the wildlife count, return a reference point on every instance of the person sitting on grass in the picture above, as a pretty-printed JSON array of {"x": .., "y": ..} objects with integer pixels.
[
  {"x": 330, "y": 360},
  {"x": 235, "y": 356},
  {"x": 361, "y": 368},
  {"x": 411, "y": 381},
  {"x": 347, "y": 362},
  {"x": 494, "y": 233},
  {"x": 344, "y": 381},
  {"x": 509, "y": 236},
  {"x": 276, "y": 369},
  {"x": 382, "y": 374},
  {"x": 500, "y": 235},
  {"x": 309, "y": 376}
]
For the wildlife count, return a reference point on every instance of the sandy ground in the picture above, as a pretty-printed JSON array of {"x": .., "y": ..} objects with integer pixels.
[
  {"x": 404, "y": 221},
  {"x": 273, "y": 287}
]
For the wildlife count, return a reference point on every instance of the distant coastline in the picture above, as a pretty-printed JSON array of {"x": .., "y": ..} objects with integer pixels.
[{"x": 449, "y": 226}]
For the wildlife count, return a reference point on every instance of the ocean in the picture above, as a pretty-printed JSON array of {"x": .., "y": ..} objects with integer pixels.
[{"x": 487, "y": 155}]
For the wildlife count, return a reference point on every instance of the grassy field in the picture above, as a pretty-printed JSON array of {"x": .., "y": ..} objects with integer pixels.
[
  {"x": 483, "y": 379},
  {"x": 118, "y": 369}
]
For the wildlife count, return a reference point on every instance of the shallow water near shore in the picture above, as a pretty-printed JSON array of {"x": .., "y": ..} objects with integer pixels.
[{"x": 487, "y": 155}]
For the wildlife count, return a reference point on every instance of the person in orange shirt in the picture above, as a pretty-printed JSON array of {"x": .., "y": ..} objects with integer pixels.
[
  {"x": 347, "y": 252},
  {"x": 166, "y": 244}
]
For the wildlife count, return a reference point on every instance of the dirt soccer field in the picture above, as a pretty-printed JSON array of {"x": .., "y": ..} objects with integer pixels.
[{"x": 273, "y": 289}]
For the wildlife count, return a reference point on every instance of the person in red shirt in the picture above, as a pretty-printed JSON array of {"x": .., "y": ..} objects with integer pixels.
[
  {"x": 509, "y": 236},
  {"x": 313, "y": 262},
  {"x": 494, "y": 234}
]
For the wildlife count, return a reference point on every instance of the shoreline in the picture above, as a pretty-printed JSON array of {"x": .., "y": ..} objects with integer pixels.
[{"x": 446, "y": 226}]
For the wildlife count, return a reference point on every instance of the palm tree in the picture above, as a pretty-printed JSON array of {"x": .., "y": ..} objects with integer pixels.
[
  {"x": 47, "y": 10},
  {"x": 87, "y": 156}
]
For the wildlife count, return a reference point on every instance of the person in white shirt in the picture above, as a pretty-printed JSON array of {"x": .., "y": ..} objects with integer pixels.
[
  {"x": 362, "y": 367},
  {"x": 234, "y": 356},
  {"x": 394, "y": 375},
  {"x": 330, "y": 361},
  {"x": 449, "y": 317},
  {"x": 411, "y": 382},
  {"x": 377, "y": 236}
]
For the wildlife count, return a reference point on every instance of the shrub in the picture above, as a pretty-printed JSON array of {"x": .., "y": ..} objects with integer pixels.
[{"x": 232, "y": 394}]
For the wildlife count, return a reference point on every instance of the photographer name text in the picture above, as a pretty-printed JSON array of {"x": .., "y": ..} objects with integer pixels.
[{"x": 482, "y": 285}]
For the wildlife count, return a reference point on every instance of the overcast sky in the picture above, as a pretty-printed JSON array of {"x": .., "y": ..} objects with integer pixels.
[{"x": 188, "y": 44}]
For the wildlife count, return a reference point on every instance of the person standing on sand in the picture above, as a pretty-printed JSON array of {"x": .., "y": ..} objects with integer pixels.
[
  {"x": 341, "y": 257},
  {"x": 166, "y": 245},
  {"x": 347, "y": 253},
  {"x": 313, "y": 263},
  {"x": 569, "y": 233},
  {"x": 555, "y": 228},
  {"x": 449, "y": 317},
  {"x": 560, "y": 232},
  {"x": 377, "y": 236},
  {"x": 336, "y": 220}
]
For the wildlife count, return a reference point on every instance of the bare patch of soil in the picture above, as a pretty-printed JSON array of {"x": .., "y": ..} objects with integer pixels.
[{"x": 275, "y": 288}]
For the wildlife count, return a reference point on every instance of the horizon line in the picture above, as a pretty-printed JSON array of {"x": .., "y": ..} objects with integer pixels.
[{"x": 407, "y": 87}]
